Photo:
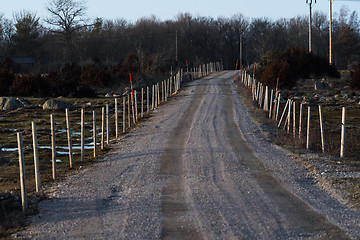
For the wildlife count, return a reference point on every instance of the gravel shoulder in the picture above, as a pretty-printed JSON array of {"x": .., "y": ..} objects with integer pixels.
[{"x": 199, "y": 168}]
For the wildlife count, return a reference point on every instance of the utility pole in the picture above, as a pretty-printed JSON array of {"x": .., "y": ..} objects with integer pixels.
[
  {"x": 330, "y": 32},
  {"x": 309, "y": 2}
]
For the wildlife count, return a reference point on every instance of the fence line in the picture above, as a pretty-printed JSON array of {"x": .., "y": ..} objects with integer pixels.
[
  {"x": 260, "y": 94},
  {"x": 168, "y": 87}
]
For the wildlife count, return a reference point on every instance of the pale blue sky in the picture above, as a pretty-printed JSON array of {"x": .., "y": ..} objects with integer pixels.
[{"x": 168, "y": 9}]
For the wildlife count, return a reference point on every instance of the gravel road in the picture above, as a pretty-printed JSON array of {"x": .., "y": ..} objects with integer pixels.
[{"x": 199, "y": 168}]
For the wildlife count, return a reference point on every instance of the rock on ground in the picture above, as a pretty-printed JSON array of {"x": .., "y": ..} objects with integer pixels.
[
  {"x": 54, "y": 104},
  {"x": 10, "y": 103}
]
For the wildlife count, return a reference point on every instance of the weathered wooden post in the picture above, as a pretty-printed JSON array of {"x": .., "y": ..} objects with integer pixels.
[
  {"x": 300, "y": 119},
  {"x": 289, "y": 117},
  {"x": 308, "y": 130},
  {"x": 22, "y": 172},
  {"x": 147, "y": 100},
  {"x": 116, "y": 119},
  {"x": 284, "y": 111},
  {"x": 82, "y": 135},
  {"x": 107, "y": 124},
  {"x": 36, "y": 157},
  {"x": 124, "y": 114},
  {"x": 294, "y": 119},
  {"x": 170, "y": 90},
  {"x": 277, "y": 107},
  {"x": 343, "y": 132},
  {"x": 271, "y": 102},
  {"x": 94, "y": 133},
  {"x": 142, "y": 102},
  {"x": 153, "y": 97},
  {"x": 69, "y": 136},
  {"x": 53, "y": 146},
  {"x": 321, "y": 129},
  {"x": 158, "y": 93},
  {"x": 135, "y": 106},
  {"x": 162, "y": 92},
  {"x": 129, "y": 112},
  {"x": 156, "y": 98},
  {"x": 102, "y": 127}
]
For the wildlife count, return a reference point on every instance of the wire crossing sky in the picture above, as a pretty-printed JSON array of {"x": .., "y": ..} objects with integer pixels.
[{"x": 165, "y": 9}]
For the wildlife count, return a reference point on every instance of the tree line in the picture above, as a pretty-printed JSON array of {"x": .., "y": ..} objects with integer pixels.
[{"x": 150, "y": 46}]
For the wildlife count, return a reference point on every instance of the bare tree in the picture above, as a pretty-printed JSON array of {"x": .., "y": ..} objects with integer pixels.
[
  {"x": 6, "y": 33},
  {"x": 67, "y": 17}
]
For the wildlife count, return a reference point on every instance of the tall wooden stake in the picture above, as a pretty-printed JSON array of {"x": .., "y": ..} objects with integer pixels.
[
  {"x": 343, "y": 133},
  {"x": 53, "y": 146},
  {"x": 36, "y": 157},
  {"x": 69, "y": 135},
  {"x": 22, "y": 172}
]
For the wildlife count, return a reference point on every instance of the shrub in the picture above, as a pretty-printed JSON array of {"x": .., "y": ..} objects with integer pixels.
[
  {"x": 355, "y": 78},
  {"x": 95, "y": 76},
  {"x": 6, "y": 76},
  {"x": 276, "y": 70},
  {"x": 29, "y": 85},
  {"x": 292, "y": 64}
]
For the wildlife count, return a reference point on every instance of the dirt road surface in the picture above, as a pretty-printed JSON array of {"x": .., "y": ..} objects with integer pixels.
[{"x": 200, "y": 168}]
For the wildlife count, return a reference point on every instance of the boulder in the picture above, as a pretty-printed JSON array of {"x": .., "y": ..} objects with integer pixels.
[
  {"x": 321, "y": 85},
  {"x": 10, "y": 103},
  {"x": 54, "y": 104}
]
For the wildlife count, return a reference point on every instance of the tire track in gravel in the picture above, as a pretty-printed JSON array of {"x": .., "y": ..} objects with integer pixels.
[{"x": 178, "y": 224}]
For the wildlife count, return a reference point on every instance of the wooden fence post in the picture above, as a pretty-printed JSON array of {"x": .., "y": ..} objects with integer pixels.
[
  {"x": 308, "y": 130},
  {"x": 22, "y": 172},
  {"x": 102, "y": 127},
  {"x": 321, "y": 129},
  {"x": 53, "y": 146},
  {"x": 116, "y": 119},
  {"x": 300, "y": 119},
  {"x": 162, "y": 92},
  {"x": 147, "y": 100},
  {"x": 69, "y": 136},
  {"x": 133, "y": 107},
  {"x": 271, "y": 102},
  {"x": 277, "y": 107},
  {"x": 343, "y": 132},
  {"x": 36, "y": 157},
  {"x": 153, "y": 97},
  {"x": 294, "y": 119},
  {"x": 107, "y": 124},
  {"x": 289, "y": 117},
  {"x": 94, "y": 132},
  {"x": 82, "y": 135},
  {"x": 282, "y": 116},
  {"x": 142, "y": 102},
  {"x": 124, "y": 114},
  {"x": 156, "y": 96},
  {"x": 129, "y": 112},
  {"x": 170, "y": 90},
  {"x": 136, "y": 106}
]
